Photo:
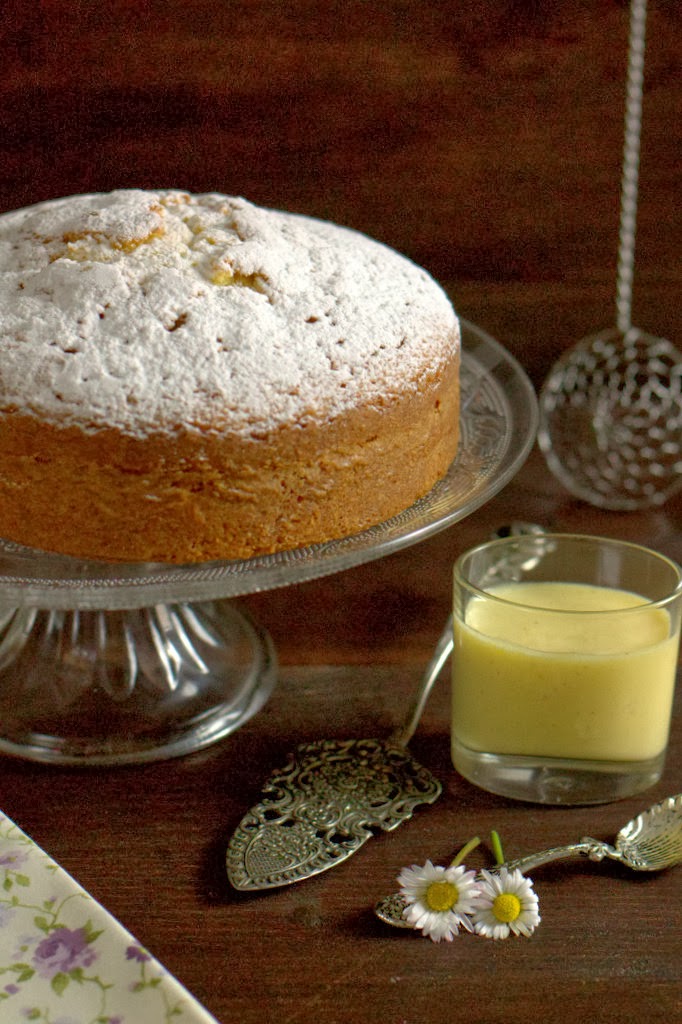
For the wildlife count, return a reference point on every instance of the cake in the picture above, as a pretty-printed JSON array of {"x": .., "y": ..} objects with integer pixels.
[{"x": 191, "y": 377}]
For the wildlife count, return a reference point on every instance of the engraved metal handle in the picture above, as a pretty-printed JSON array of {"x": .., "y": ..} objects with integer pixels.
[
  {"x": 402, "y": 736},
  {"x": 593, "y": 849}
]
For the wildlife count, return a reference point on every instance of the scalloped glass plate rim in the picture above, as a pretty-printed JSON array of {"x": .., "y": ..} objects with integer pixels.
[{"x": 42, "y": 579}]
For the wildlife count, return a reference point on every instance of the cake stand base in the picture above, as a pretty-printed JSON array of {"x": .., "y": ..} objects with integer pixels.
[{"x": 101, "y": 687}]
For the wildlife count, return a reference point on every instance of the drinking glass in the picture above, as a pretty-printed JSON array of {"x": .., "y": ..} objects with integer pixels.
[{"x": 564, "y": 664}]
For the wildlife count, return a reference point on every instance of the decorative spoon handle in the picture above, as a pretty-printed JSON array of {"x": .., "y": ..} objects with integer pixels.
[
  {"x": 404, "y": 733},
  {"x": 591, "y": 848},
  {"x": 402, "y": 736}
]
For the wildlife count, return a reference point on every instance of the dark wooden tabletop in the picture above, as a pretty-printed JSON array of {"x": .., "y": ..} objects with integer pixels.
[{"x": 483, "y": 140}]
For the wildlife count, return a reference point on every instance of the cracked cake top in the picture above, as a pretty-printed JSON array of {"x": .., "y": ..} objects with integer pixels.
[{"x": 150, "y": 311}]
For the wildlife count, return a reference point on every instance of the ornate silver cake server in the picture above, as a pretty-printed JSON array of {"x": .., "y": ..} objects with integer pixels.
[
  {"x": 650, "y": 842},
  {"x": 331, "y": 797}
]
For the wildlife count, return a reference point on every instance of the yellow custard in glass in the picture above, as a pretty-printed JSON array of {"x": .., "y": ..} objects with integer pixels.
[{"x": 563, "y": 670}]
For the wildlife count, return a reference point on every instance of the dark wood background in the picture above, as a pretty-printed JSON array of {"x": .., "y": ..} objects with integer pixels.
[{"x": 484, "y": 140}]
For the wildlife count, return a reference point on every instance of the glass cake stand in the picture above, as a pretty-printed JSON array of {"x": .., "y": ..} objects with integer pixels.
[{"x": 109, "y": 664}]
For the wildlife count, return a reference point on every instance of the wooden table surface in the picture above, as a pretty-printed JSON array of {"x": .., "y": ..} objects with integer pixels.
[{"x": 483, "y": 140}]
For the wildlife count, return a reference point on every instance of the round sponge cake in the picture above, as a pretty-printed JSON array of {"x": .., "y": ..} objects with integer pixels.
[{"x": 191, "y": 377}]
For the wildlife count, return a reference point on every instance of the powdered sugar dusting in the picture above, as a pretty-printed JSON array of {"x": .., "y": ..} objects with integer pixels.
[{"x": 148, "y": 310}]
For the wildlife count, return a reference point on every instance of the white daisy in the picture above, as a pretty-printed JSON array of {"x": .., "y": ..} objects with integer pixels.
[
  {"x": 439, "y": 900},
  {"x": 506, "y": 903}
]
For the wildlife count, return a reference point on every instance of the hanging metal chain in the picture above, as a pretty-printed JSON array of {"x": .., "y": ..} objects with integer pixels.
[{"x": 630, "y": 172}]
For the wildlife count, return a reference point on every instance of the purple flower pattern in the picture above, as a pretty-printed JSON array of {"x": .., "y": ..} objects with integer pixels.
[
  {"x": 62, "y": 951},
  {"x": 59, "y": 968},
  {"x": 13, "y": 859},
  {"x": 137, "y": 953}
]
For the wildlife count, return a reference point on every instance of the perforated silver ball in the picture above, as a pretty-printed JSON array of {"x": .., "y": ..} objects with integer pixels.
[{"x": 611, "y": 419}]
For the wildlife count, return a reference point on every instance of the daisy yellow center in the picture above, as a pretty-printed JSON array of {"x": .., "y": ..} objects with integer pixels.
[
  {"x": 506, "y": 907},
  {"x": 441, "y": 896}
]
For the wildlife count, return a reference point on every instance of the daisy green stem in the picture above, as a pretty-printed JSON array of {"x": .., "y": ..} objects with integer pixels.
[
  {"x": 496, "y": 844},
  {"x": 465, "y": 851}
]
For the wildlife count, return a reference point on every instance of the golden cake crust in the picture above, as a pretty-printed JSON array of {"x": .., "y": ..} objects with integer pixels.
[
  {"x": 199, "y": 497},
  {"x": 130, "y": 468}
]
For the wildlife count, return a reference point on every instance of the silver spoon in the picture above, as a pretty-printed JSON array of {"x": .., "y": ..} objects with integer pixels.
[
  {"x": 650, "y": 842},
  {"x": 611, "y": 408}
]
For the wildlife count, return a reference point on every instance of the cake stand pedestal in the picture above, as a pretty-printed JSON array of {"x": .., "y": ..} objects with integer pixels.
[
  {"x": 105, "y": 664},
  {"x": 128, "y": 685}
]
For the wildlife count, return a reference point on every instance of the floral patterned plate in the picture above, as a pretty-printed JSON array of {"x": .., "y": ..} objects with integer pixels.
[{"x": 65, "y": 960}]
